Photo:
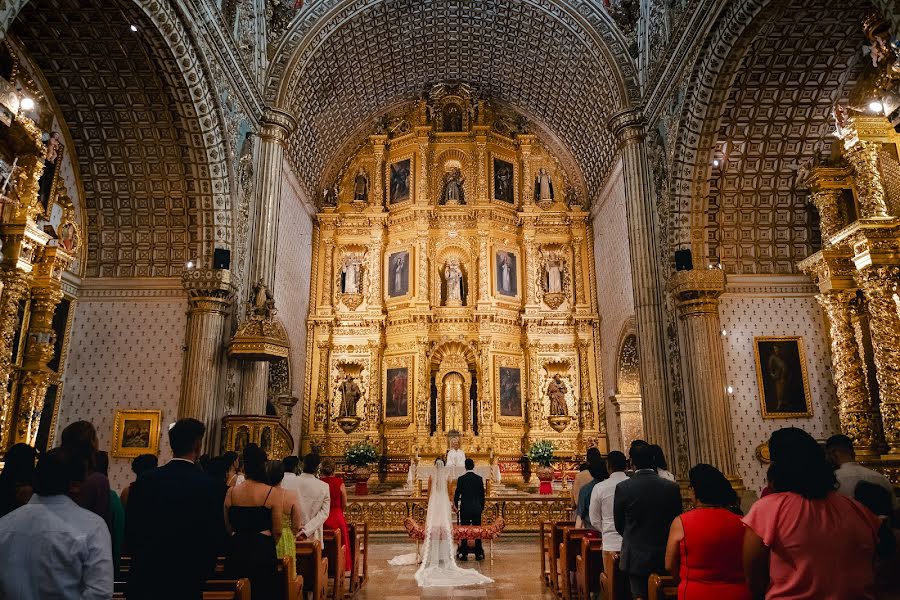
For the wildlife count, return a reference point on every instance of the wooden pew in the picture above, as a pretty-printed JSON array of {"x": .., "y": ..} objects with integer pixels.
[
  {"x": 359, "y": 542},
  {"x": 613, "y": 584},
  {"x": 661, "y": 587},
  {"x": 313, "y": 568},
  {"x": 588, "y": 567},
  {"x": 290, "y": 585},
  {"x": 556, "y": 538},
  {"x": 569, "y": 550},
  {"x": 215, "y": 589},
  {"x": 546, "y": 536},
  {"x": 334, "y": 551}
]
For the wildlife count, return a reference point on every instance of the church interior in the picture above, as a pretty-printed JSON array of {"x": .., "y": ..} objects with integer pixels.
[{"x": 387, "y": 232}]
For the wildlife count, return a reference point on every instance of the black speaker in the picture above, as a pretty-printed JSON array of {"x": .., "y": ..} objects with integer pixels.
[
  {"x": 222, "y": 258},
  {"x": 683, "y": 260}
]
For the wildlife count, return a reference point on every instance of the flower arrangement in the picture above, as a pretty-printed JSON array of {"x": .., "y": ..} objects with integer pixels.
[
  {"x": 541, "y": 453},
  {"x": 361, "y": 454}
]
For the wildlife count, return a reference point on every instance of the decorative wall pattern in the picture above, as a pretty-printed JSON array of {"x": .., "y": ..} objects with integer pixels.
[
  {"x": 126, "y": 352},
  {"x": 293, "y": 267},
  {"x": 763, "y": 313},
  {"x": 614, "y": 296}
]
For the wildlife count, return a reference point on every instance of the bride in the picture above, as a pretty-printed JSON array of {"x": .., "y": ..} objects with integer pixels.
[{"x": 439, "y": 568}]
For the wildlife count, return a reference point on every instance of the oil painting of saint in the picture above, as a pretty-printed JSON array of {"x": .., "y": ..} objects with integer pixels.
[
  {"x": 398, "y": 274},
  {"x": 510, "y": 392},
  {"x": 397, "y": 401},
  {"x": 781, "y": 375},
  {"x": 506, "y": 274},
  {"x": 400, "y": 181}
]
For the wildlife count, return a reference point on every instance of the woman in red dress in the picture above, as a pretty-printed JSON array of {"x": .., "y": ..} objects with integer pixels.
[
  {"x": 336, "y": 518},
  {"x": 705, "y": 545}
]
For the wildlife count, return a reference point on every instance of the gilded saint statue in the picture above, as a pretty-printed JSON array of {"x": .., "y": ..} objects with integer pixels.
[
  {"x": 361, "y": 186},
  {"x": 453, "y": 188},
  {"x": 543, "y": 187},
  {"x": 556, "y": 391},
  {"x": 350, "y": 394},
  {"x": 453, "y": 402},
  {"x": 453, "y": 275},
  {"x": 350, "y": 272}
]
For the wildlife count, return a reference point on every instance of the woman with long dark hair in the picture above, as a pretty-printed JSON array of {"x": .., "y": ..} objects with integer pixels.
[
  {"x": 805, "y": 540},
  {"x": 80, "y": 439}
]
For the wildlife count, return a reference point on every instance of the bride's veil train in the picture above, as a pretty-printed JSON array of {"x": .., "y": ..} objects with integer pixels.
[{"x": 439, "y": 568}]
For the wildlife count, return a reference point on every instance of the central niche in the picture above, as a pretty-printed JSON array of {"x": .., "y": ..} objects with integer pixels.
[{"x": 452, "y": 277}]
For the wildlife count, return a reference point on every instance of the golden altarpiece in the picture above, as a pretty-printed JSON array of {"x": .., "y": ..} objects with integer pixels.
[{"x": 453, "y": 290}]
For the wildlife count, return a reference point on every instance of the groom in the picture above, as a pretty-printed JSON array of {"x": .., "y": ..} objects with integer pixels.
[{"x": 469, "y": 500}]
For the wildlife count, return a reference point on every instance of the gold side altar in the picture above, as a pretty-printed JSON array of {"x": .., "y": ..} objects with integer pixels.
[{"x": 453, "y": 289}]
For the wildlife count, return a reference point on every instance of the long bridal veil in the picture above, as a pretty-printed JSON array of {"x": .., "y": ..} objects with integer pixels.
[{"x": 439, "y": 568}]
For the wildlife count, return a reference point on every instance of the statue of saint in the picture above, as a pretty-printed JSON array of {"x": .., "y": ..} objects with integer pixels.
[
  {"x": 261, "y": 304},
  {"x": 453, "y": 274},
  {"x": 453, "y": 187},
  {"x": 361, "y": 186},
  {"x": 556, "y": 391},
  {"x": 351, "y": 276},
  {"x": 554, "y": 276},
  {"x": 543, "y": 187},
  {"x": 349, "y": 396}
]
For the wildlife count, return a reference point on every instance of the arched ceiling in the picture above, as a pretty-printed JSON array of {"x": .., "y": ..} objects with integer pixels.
[
  {"x": 152, "y": 177},
  {"x": 565, "y": 68}
]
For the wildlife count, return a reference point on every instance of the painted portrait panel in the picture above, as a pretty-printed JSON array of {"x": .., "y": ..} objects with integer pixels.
[
  {"x": 398, "y": 274},
  {"x": 503, "y": 181},
  {"x": 510, "y": 392},
  {"x": 397, "y": 400},
  {"x": 400, "y": 181},
  {"x": 507, "y": 285},
  {"x": 781, "y": 375}
]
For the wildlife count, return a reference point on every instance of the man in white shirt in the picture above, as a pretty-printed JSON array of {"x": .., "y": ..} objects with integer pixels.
[
  {"x": 290, "y": 473},
  {"x": 315, "y": 499},
  {"x": 602, "y": 497},
  {"x": 849, "y": 472},
  {"x": 51, "y": 547}
]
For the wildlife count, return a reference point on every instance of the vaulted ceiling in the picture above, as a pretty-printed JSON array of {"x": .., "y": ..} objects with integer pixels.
[{"x": 562, "y": 64}]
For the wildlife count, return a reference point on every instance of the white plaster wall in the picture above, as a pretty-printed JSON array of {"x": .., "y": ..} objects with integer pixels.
[
  {"x": 769, "y": 309},
  {"x": 292, "y": 271},
  {"x": 614, "y": 287},
  {"x": 125, "y": 352}
]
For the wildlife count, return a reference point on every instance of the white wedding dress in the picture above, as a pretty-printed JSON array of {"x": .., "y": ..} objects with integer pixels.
[{"x": 439, "y": 568}]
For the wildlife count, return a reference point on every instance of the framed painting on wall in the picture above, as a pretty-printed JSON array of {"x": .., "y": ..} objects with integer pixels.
[
  {"x": 510, "y": 385},
  {"x": 136, "y": 432},
  {"x": 396, "y": 398},
  {"x": 781, "y": 377},
  {"x": 398, "y": 271},
  {"x": 506, "y": 273},
  {"x": 503, "y": 181},
  {"x": 399, "y": 181}
]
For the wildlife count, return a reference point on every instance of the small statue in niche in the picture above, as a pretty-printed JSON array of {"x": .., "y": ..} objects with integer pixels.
[
  {"x": 543, "y": 187},
  {"x": 45, "y": 183},
  {"x": 350, "y": 394},
  {"x": 453, "y": 188},
  {"x": 350, "y": 272},
  {"x": 556, "y": 391},
  {"x": 453, "y": 275},
  {"x": 261, "y": 304},
  {"x": 554, "y": 267},
  {"x": 329, "y": 196},
  {"x": 453, "y": 121},
  {"x": 361, "y": 186}
]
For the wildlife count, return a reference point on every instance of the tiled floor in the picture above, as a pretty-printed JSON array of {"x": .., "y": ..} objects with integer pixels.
[{"x": 516, "y": 574}]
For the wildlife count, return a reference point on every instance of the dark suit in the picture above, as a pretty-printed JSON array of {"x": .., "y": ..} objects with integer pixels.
[
  {"x": 643, "y": 509},
  {"x": 469, "y": 500},
  {"x": 174, "y": 528}
]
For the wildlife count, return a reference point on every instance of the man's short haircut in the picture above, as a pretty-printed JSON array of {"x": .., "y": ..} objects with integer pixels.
[
  {"x": 470, "y": 464},
  {"x": 290, "y": 463},
  {"x": 311, "y": 463},
  {"x": 616, "y": 461},
  {"x": 642, "y": 457},
  {"x": 840, "y": 442},
  {"x": 184, "y": 434},
  {"x": 56, "y": 471}
]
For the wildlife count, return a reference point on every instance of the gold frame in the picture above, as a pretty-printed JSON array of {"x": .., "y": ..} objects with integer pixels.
[
  {"x": 514, "y": 250},
  {"x": 515, "y": 181},
  {"x": 399, "y": 361},
  {"x": 513, "y": 362},
  {"x": 759, "y": 377},
  {"x": 411, "y": 292},
  {"x": 155, "y": 418}
]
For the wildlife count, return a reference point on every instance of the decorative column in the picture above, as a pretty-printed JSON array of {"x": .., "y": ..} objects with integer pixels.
[
  {"x": 328, "y": 273},
  {"x": 376, "y": 258},
  {"x": 209, "y": 296},
  {"x": 485, "y": 389},
  {"x": 710, "y": 438},
  {"x": 423, "y": 389},
  {"x": 584, "y": 369},
  {"x": 423, "y": 289},
  {"x": 579, "y": 293},
  {"x": 484, "y": 267},
  {"x": 863, "y": 157},
  {"x": 531, "y": 268},
  {"x": 378, "y": 142},
  {"x": 16, "y": 286},
  {"x": 526, "y": 191},
  {"x": 826, "y": 202},
  {"x": 860, "y": 420},
  {"x": 640, "y": 206}
]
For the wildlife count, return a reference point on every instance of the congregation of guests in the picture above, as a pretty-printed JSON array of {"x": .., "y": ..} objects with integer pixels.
[{"x": 63, "y": 530}]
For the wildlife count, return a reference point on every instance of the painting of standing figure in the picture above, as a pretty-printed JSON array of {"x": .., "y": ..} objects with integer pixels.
[{"x": 781, "y": 375}]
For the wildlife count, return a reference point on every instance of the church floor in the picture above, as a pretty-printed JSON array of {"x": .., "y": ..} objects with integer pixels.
[{"x": 516, "y": 573}]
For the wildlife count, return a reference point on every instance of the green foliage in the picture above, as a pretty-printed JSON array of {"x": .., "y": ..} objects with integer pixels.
[
  {"x": 541, "y": 453},
  {"x": 361, "y": 454}
]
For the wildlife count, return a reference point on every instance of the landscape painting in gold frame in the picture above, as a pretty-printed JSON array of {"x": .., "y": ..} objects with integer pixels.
[{"x": 136, "y": 432}]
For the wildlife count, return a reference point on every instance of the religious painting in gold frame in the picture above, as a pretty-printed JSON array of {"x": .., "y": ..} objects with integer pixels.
[
  {"x": 508, "y": 386},
  {"x": 781, "y": 377},
  {"x": 398, "y": 389},
  {"x": 507, "y": 283},
  {"x": 400, "y": 180},
  {"x": 399, "y": 273},
  {"x": 136, "y": 432},
  {"x": 503, "y": 180}
]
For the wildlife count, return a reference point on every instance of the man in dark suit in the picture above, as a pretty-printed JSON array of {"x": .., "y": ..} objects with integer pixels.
[
  {"x": 174, "y": 523},
  {"x": 644, "y": 508},
  {"x": 469, "y": 501}
]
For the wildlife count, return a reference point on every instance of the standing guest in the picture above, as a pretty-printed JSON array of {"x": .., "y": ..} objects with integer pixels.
[
  {"x": 173, "y": 525},
  {"x": 839, "y": 449},
  {"x": 290, "y": 511},
  {"x": 769, "y": 488},
  {"x": 80, "y": 439},
  {"x": 659, "y": 459},
  {"x": 704, "y": 549},
  {"x": 217, "y": 469},
  {"x": 598, "y": 473},
  {"x": 790, "y": 548},
  {"x": 644, "y": 508},
  {"x": 253, "y": 517},
  {"x": 602, "y": 497},
  {"x": 290, "y": 471},
  {"x": 338, "y": 504},
  {"x": 584, "y": 475},
  {"x": 632, "y": 446},
  {"x": 16, "y": 480},
  {"x": 315, "y": 499},
  {"x": 116, "y": 511},
  {"x": 141, "y": 464},
  {"x": 233, "y": 464},
  {"x": 51, "y": 547}
]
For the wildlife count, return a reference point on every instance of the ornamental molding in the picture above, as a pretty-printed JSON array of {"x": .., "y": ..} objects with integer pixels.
[{"x": 769, "y": 286}]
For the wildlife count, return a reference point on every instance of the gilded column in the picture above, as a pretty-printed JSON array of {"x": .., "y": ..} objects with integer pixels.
[
  {"x": 863, "y": 156},
  {"x": 209, "y": 296},
  {"x": 710, "y": 439},
  {"x": 376, "y": 257},
  {"x": 378, "y": 142},
  {"x": 485, "y": 391},
  {"x": 579, "y": 293},
  {"x": 531, "y": 268},
  {"x": 587, "y": 401},
  {"x": 826, "y": 201},
  {"x": 321, "y": 395},
  {"x": 484, "y": 266},
  {"x": 525, "y": 142},
  {"x": 860, "y": 420},
  {"x": 423, "y": 292},
  {"x": 423, "y": 390},
  {"x": 16, "y": 286},
  {"x": 877, "y": 283},
  {"x": 328, "y": 274},
  {"x": 656, "y": 389}
]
